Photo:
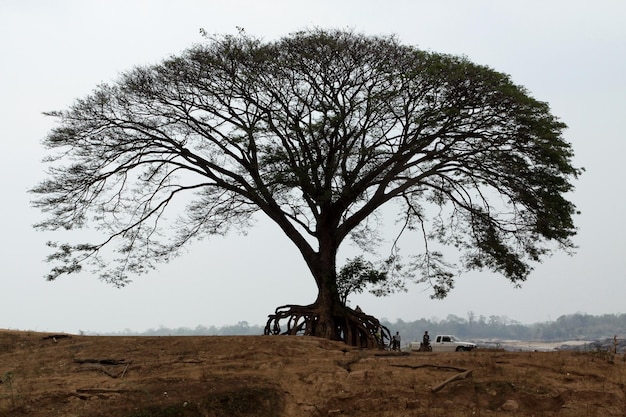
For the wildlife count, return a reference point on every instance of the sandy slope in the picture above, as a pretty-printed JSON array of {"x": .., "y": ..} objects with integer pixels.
[{"x": 71, "y": 375}]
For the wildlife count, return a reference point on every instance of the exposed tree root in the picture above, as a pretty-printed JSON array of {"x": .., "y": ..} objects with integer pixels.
[{"x": 352, "y": 327}]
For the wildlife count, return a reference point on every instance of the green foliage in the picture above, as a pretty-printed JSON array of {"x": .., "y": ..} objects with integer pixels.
[
  {"x": 358, "y": 274},
  {"x": 317, "y": 131}
]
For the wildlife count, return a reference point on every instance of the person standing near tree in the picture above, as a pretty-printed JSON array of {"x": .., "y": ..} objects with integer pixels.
[{"x": 379, "y": 336}]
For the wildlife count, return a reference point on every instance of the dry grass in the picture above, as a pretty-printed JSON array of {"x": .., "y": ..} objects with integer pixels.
[{"x": 267, "y": 376}]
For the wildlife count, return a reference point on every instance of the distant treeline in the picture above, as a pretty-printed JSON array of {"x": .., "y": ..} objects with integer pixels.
[
  {"x": 240, "y": 329},
  {"x": 572, "y": 326}
]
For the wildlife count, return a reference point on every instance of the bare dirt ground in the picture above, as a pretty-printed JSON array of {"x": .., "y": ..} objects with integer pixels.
[{"x": 69, "y": 375}]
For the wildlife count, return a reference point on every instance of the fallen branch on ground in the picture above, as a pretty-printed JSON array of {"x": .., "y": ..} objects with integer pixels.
[
  {"x": 103, "y": 365},
  {"x": 392, "y": 354},
  {"x": 447, "y": 368},
  {"x": 462, "y": 375},
  {"x": 103, "y": 361}
]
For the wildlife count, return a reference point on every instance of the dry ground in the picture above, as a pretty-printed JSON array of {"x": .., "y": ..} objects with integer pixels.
[{"x": 263, "y": 376}]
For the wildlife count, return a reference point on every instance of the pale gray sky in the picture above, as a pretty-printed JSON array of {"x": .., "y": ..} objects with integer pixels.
[{"x": 570, "y": 53}]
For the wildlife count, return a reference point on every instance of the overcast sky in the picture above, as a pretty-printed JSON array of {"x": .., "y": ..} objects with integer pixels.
[{"x": 569, "y": 53}]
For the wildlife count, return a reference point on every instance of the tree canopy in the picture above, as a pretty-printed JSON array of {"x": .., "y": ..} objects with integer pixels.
[{"x": 317, "y": 131}]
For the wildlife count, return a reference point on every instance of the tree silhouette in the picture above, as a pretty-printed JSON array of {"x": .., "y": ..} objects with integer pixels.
[{"x": 317, "y": 131}]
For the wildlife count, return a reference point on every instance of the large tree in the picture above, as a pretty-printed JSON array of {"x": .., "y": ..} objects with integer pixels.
[{"x": 317, "y": 131}]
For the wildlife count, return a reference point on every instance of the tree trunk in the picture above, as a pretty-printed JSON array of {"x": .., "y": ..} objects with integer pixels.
[
  {"x": 323, "y": 266},
  {"x": 327, "y": 317},
  {"x": 327, "y": 306},
  {"x": 327, "y": 303}
]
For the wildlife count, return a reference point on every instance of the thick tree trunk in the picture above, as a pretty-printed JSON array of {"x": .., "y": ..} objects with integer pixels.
[
  {"x": 327, "y": 303},
  {"x": 327, "y": 317},
  {"x": 327, "y": 306}
]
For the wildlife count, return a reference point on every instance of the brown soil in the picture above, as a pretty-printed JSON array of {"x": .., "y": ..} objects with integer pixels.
[{"x": 68, "y": 375}]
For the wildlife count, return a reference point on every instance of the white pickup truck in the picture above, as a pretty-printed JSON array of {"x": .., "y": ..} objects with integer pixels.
[{"x": 445, "y": 343}]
